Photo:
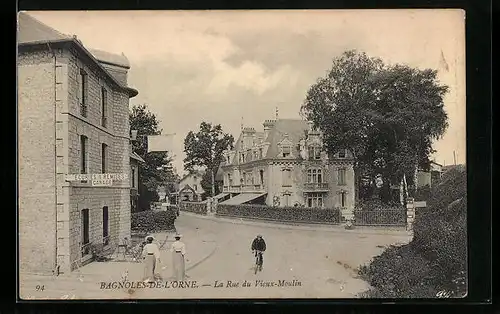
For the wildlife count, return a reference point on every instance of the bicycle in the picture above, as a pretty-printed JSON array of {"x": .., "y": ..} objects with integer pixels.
[{"x": 258, "y": 261}]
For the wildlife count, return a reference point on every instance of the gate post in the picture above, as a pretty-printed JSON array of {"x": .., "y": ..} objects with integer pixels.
[
  {"x": 410, "y": 214},
  {"x": 348, "y": 214}
]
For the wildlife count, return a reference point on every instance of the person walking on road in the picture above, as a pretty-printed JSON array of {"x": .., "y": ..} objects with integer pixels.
[
  {"x": 151, "y": 255},
  {"x": 178, "y": 250},
  {"x": 258, "y": 247}
]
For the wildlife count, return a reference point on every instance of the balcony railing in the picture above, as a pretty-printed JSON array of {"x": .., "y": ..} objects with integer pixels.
[
  {"x": 316, "y": 186},
  {"x": 243, "y": 188}
]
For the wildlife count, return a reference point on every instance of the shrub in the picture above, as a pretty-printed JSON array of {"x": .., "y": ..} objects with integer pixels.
[
  {"x": 399, "y": 272},
  {"x": 193, "y": 207},
  {"x": 150, "y": 221},
  {"x": 287, "y": 214},
  {"x": 423, "y": 193},
  {"x": 436, "y": 258}
]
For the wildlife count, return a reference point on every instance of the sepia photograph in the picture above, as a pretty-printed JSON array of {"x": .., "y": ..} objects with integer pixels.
[{"x": 253, "y": 154}]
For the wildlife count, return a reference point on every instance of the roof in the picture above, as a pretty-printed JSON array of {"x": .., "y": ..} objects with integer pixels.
[
  {"x": 111, "y": 58},
  {"x": 134, "y": 155},
  {"x": 294, "y": 128},
  {"x": 194, "y": 172},
  {"x": 219, "y": 176},
  {"x": 433, "y": 162},
  {"x": 242, "y": 198},
  {"x": 220, "y": 195},
  {"x": 32, "y": 32}
]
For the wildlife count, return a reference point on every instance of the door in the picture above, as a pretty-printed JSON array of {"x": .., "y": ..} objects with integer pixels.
[
  {"x": 105, "y": 225},
  {"x": 85, "y": 232}
]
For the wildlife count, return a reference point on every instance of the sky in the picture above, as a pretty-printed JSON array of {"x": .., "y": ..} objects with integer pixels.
[{"x": 234, "y": 67}]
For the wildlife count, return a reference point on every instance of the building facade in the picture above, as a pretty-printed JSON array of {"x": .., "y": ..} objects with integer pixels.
[
  {"x": 189, "y": 187},
  {"x": 431, "y": 177},
  {"x": 285, "y": 165},
  {"x": 74, "y": 156},
  {"x": 134, "y": 180}
]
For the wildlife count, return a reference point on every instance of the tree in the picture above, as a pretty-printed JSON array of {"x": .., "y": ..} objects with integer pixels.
[
  {"x": 157, "y": 169},
  {"x": 388, "y": 116},
  {"x": 204, "y": 149}
]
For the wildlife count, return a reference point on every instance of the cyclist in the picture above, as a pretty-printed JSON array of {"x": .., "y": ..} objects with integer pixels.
[{"x": 258, "y": 247}]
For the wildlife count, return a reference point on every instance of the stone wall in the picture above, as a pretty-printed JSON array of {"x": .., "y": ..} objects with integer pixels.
[
  {"x": 50, "y": 125},
  {"x": 36, "y": 149}
]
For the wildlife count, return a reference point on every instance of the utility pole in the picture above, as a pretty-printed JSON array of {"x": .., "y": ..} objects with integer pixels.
[{"x": 454, "y": 158}]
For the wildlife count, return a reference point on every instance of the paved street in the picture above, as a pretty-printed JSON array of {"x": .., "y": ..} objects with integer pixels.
[{"x": 322, "y": 259}]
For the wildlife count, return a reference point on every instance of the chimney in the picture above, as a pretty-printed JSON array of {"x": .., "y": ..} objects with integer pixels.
[{"x": 268, "y": 125}]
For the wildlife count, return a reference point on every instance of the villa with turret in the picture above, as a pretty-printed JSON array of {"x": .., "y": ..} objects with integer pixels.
[{"x": 285, "y": 166}]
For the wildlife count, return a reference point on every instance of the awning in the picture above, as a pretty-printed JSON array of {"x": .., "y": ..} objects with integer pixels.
[
  {"x": 242, "y": 198},
  {"x": 221, "y": 195}
]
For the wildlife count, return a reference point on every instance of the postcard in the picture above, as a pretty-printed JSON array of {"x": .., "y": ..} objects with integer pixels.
[{"x": 305, "y": 154}]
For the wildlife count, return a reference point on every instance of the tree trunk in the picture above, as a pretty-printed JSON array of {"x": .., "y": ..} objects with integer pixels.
[
  {"x": 357, "y": 184},
  {"x": 213, "y": 183},
  {"x": 415, "y": 177}
]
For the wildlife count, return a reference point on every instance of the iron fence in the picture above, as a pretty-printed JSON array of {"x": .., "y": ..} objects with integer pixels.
[{"x": 383, "y": 217}]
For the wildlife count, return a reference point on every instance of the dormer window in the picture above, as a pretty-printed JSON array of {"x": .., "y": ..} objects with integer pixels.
[
  {"x": 287, "y": 151},
  {"x": 342, "y": 153},
  {"x": 314, "y": 153}
]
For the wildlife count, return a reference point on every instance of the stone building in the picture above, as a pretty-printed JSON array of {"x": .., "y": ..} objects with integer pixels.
[
  {"x": 189, "y": 187},
  {"x": 430, "y": 177},
  {"x": 74, "y": 156},
  {"x": 285, "y": 165}
]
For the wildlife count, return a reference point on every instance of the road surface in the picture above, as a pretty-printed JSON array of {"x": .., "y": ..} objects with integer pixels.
[{"x": 300, "y": 262}]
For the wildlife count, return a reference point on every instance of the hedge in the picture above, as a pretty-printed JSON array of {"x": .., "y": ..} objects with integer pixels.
[
  {"x": 193, "y": 207},
  {"x": 436, "y": 259},
  {"x": 150, "y": 221},
  {"x": 285, "y": 214}
]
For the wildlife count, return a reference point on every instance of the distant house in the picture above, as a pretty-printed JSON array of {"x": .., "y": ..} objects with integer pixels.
[
  {"x": 189, "y": 187},
  {"x": 134, "y": 180},
  {"x": 430, "y": 177},
  {"x": 285, "y": 165}
]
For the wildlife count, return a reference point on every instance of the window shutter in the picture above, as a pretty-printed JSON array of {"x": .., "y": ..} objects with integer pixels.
[{"x": 79, "y": 87}]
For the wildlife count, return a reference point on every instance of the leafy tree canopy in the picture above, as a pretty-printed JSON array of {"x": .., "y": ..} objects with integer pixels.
[
  {"x": 388, "y": 115},
  {"x": 204, "y": 149},
  {"x": 157, "y": 169}
]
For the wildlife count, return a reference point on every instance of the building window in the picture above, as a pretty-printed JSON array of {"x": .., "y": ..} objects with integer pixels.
[
  {"x": 85, "y": 236},
  {"x": 261, "y": 172},
  {"x": 287, "y": 151},
  {"x": 244, "y": 178},
  {"x": 133, "y": 177},
  {"x": 104, "y": 156},
  {"x": 228, "y": 160},
  {"x": 104, "y": 107},
  {"x": 287, "y": 177},
  {"x": 341, "y": 176},
  {"x": 286, "y": 199},
  {"x": 83, "y": 85},
  {"x": 230, "y": 179},
  {"x": 83, "y": 154},
  {"x": 314, "y": 153},
  {"x": 105, "y": 225},
  {"x": 314, "y": 200},
  {"x": 314, "y": 176},
  {"x": 342, "y": 153},
  {"x": 342, "y": 198},
  {"x": 195, "y": 187},
  {"x": 260, "y": 153}
]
